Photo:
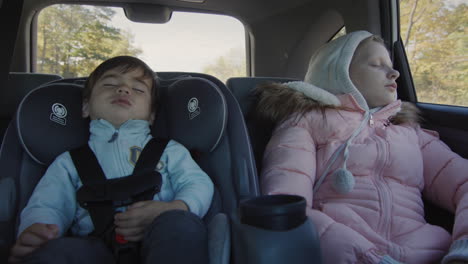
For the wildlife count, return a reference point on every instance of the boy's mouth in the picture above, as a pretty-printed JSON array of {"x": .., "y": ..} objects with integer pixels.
[{"x": 121, "y": 101}]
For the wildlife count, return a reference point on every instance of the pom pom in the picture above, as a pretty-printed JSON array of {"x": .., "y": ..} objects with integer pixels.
[{"x": 343, "y": 181}]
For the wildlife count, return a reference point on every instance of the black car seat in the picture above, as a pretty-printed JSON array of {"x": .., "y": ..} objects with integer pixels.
[
  {"x": 232, "y": 163},
  {"x": 18, "y": 85},
  {"x": 35, "y": 136},
  {"x": 272, "y": 229},
  {"x": 48, "y": 122},
  {"x": 259, "y": 130},
  {"x": 233, "y": 160}
]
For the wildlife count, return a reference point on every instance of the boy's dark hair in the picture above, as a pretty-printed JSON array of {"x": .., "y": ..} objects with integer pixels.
[{"x": 125, "y": 64}]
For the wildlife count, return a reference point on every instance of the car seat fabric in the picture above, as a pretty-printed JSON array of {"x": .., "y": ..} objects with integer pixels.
[
  {"x": 18, "y": 85},
  {"x": 231, "y": 164},
  {"x": 48, "y": 122},
  {"x": 24, "y": 165},
  {"x": 198, "y": 121},
  {"x": 259, "y": 130}
]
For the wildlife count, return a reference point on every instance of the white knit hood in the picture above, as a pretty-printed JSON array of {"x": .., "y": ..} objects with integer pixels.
[
  {"x": 329, "y": 67},
  {"x": 329, "y": 70}
]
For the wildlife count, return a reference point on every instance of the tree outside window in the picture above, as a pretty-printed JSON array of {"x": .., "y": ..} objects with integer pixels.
[{"x": 434, "y": 33}]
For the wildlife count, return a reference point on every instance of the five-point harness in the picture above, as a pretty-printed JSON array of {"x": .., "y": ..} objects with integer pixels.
[{"x": 104, "y": 197}]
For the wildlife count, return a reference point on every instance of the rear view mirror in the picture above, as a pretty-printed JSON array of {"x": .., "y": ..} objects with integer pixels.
[{"x": 147, "y": 13}]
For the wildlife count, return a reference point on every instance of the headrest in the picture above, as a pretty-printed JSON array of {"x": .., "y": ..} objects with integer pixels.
[
  {"x": 19, "y": 84},
  {"x": 49, "y": 121},
  {"x": 197, "y": 113}
]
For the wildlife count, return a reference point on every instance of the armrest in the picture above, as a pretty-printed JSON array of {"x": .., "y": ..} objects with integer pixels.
[{"x": 275, "y": 230}]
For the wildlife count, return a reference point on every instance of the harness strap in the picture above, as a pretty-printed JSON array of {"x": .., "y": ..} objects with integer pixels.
[
  {"x": 101, "y": 196},
  {"x": 150, "y": 155},
  {"x": 91, "y": 174}
]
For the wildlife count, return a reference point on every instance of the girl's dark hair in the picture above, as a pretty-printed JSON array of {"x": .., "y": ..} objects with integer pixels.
[{"x": 124, "y": 64}]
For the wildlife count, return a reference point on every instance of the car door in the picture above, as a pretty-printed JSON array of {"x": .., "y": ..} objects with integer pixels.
[
  {"x": 430, "y": 54},
  {"x": 433, "y": 69}
]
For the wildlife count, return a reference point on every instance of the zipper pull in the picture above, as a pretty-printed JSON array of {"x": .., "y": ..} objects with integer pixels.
[
  {"x": 114, "y": 137},
  {"x": 371, "y": 121}
]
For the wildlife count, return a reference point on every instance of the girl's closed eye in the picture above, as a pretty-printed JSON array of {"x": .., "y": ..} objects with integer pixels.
[{"x": 375, "y": 63}]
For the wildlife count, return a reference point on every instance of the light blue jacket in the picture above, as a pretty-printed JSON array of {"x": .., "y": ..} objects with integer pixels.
[{"x": 54, "y": 198}]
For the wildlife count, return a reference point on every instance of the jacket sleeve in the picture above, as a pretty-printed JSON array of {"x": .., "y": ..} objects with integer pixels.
[
  {"x": 189, "y": 182},
  {"x": 289, "y": 167},
  {"x": 53, "y": 201},
  {"x": 446, "y": 179}
]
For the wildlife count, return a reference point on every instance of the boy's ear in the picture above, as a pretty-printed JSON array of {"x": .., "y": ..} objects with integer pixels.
[
  {"x": 152, "y": 117},
  {"x": 85, "y": 109}
]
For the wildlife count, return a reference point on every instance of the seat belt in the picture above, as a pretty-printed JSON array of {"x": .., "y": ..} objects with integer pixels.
[{"x": 103, "y": 197}]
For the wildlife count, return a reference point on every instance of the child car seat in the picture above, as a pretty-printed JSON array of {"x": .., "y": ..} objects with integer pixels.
[
  {"x": 265, "y": 233},
  {"x": 48, "y": 122},
  {"x": 259, "y": 130},
  {"x": 18, "y": 85}
]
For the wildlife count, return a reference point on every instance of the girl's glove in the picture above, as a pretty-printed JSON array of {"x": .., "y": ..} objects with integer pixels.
[{"x": 458, "y": 253}]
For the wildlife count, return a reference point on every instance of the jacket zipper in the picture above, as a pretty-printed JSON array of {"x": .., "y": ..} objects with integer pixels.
[
  {"x": 118, "y": 154},
  {"x": 383, "y": 189},
  {"x": 385, "y": 195},
  {"x": 371, "y": 120}
]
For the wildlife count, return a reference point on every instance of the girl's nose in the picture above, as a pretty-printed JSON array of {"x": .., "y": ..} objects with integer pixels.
[{"x": 393, "y": 74}]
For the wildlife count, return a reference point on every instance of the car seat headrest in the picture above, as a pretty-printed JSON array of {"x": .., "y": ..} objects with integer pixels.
[
  {"x": 49, "y": 121},
  {"x": 196, "y": 113}
]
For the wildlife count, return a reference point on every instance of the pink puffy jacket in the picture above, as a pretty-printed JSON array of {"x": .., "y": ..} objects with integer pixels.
[{"x": 393, "y": 166}]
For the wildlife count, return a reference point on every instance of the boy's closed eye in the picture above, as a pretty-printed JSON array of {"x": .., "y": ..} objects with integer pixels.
[
  {"x": 139, "y": 89},
  {"x": 110, "y": 82}
]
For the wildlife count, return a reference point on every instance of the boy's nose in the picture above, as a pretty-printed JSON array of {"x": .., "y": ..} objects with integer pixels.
[{"x": 123, "y": 89}]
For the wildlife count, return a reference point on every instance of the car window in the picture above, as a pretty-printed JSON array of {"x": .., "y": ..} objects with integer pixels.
[
  {"x": 73, "y": 39},
  {"x": 434, "y": 34},
  {"x": 340, "y": 33}
]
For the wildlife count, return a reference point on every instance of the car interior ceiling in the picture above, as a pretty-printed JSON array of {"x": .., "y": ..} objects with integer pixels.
[{"x": 296, "y": 27}]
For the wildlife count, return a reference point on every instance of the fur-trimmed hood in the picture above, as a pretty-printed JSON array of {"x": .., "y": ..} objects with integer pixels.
[{"x": 278, "y": 101}]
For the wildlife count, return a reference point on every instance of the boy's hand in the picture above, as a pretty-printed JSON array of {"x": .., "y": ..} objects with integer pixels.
[
  {"x": 132, "y": 223},
  {"x": 32, "y": 238}
]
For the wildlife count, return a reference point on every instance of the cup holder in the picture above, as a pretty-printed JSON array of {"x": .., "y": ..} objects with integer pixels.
[{"x": 274, "y": 212}]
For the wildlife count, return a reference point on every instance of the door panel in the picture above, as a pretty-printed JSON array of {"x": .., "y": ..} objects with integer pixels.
[{"x": 451, "y": 122}]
